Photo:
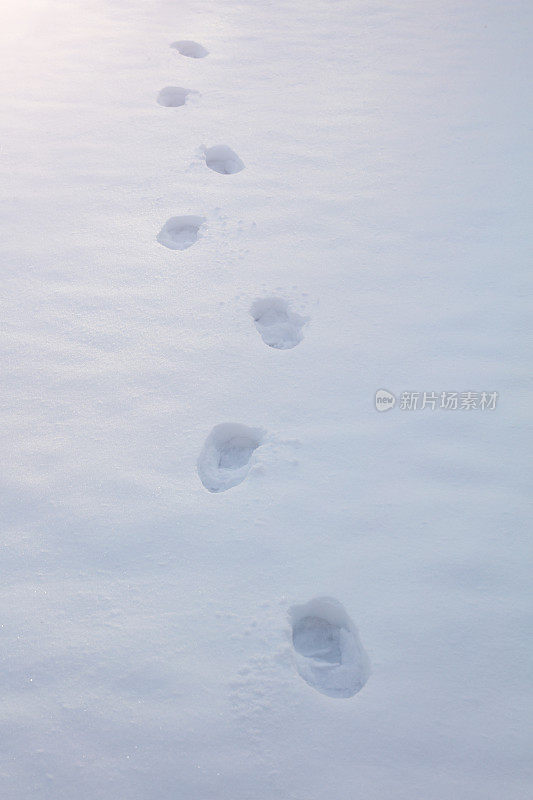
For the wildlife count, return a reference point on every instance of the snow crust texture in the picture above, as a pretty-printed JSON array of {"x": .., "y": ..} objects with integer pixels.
[
  {"x": 279, "y": 327},
  {"x": 327, "y": 650},
  {"x": 226, "y": 457}
]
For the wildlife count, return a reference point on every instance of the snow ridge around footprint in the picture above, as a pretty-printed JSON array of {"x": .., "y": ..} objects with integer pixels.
[
  {"x": 222, "y": 159},
  {"x": 179, "y": 233},
  {"x": 328, "y": 653},
  {"x": 226, "y": 458},
  {"x": 190, "y": 49},
  {"x": 279, "y": 327}
]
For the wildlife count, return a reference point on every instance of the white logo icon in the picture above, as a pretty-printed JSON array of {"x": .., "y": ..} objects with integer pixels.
[{"x": 384, "y": 400}]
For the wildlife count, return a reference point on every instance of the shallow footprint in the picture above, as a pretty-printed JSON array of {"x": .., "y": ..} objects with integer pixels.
[
  {"x": 223, "y": 159},
  {"x": 225, "y": 459},
  {"x": 173, "y": 96},
  {"x": 179, "y": 233},
  {"x": 190, "y": 49},
  {"x": 327, "y": 650},
  {"x": 278, "y": 325}
]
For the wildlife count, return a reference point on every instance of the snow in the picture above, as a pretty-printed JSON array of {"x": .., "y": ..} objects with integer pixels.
[{"x": 147, "y": 640}]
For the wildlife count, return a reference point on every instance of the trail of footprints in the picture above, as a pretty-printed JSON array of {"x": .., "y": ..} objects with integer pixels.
[{"x": 328, "y": 654}]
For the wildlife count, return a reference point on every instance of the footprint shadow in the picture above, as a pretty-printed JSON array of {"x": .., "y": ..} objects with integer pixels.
[
  {"x": 279, "y": 327},
  {"x": 222, "y": 159},
  {"x": 190, "y": 49},
  {"x": 226, "y": 458},
  {"x": 175, "y": 96},
  {"x": 179, "y": 233},
  {"x": 327, "y": 651}
]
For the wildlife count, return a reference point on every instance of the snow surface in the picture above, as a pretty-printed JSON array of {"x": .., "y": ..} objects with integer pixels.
[{"x": 147, "y": 648}]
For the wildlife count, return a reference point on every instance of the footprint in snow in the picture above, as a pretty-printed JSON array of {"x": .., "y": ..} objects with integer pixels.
[
  {"x": 190, "y": 49},
  {"x": 179, "y": 233},
  {"x": 278, "y": 325},
  {"x": 174, "y": 96},
  {"x": 223, "y": 159},
  {"x": 226, "y": 456},
  {"x": 327, "y": 650}
]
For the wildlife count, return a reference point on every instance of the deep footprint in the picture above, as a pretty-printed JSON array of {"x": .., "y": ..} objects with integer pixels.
[
  {"x": 190, "y": 49},
  {"x": 179, "y": 233},
  {"x": 223, "y": 159},
  {"x": 226, "y": 456},
  {"x": 328, "y": 653},
  {"x": 173, "y": 96},
  {"x": 278, "y": 325}
]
